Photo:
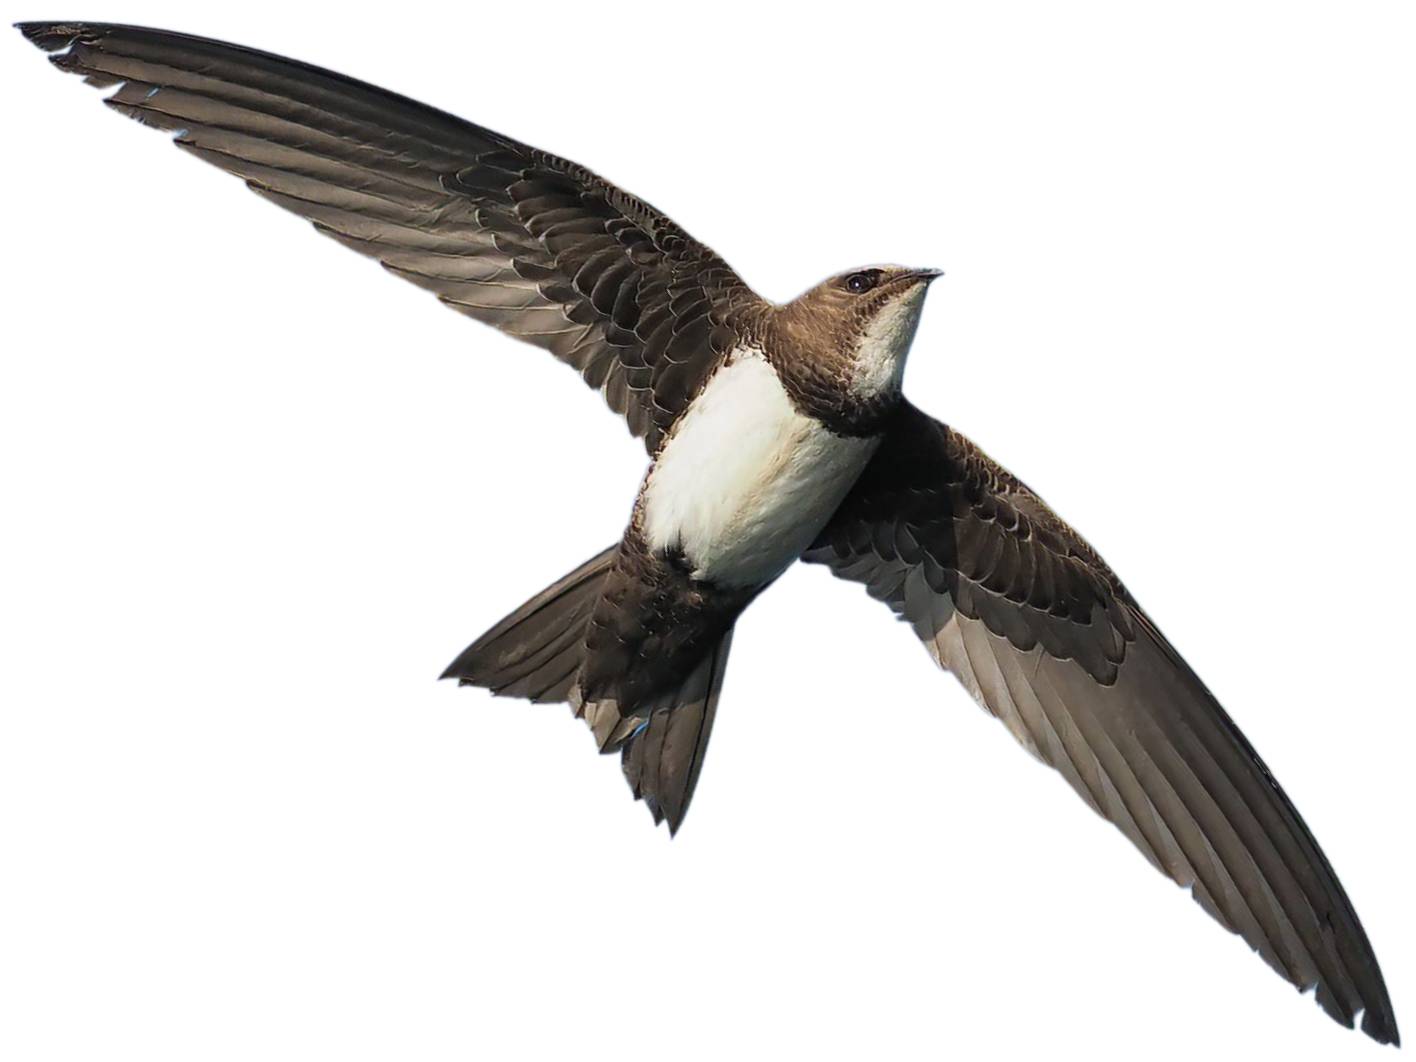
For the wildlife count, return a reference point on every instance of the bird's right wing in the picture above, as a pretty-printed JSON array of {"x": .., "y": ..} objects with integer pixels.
[
  {"x": 533, "y": 244},
  {"x": 1016, "y": 604}
]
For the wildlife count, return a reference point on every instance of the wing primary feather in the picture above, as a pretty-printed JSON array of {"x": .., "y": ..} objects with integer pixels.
[
  {"x": 1042, "y": 634},
  {"x": 388, "y": 176}
]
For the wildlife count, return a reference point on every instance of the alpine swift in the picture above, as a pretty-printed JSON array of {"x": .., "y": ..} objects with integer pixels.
[{"x": 774, "y": 433}]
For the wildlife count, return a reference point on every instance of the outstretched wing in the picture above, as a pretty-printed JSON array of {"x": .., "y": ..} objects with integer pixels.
[
  {"x": 535, "y": 245},
  {"x": 1011, "y": 600}
]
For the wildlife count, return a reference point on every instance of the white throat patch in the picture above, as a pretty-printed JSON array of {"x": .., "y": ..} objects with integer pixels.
[
  {"x": 745, "y": 482},
  {"x": 880, "y": 356}
]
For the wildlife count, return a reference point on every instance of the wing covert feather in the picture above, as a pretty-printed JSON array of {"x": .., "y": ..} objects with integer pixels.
[
  {"x": 535, "y": 245},
  {"x": 1043, "y": 635}
]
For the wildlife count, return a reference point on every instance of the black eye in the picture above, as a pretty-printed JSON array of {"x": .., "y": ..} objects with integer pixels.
[{"x": 858, "y": 283}]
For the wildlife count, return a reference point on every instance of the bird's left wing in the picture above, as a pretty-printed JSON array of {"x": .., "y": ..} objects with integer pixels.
[
  {"x": 513, "y": 236},
  {"x": 1011, "y": 600}
]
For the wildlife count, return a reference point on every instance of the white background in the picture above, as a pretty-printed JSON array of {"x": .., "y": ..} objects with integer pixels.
[{"x": 257, "y": 494}]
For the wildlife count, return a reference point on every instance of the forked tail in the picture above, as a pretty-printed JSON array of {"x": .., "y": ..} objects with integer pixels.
[{"x": 536, "y": 653}]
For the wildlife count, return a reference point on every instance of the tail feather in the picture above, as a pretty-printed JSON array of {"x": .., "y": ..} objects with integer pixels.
[
  {"x": 536, "y": 652},
  {"x": 663, "y": 757}
]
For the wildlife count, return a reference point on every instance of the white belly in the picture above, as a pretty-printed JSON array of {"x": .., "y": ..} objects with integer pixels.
[{"x": 745, "y": 482}]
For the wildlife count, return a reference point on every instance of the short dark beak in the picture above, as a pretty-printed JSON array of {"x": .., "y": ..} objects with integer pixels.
[{"x": 923, "y": 275}]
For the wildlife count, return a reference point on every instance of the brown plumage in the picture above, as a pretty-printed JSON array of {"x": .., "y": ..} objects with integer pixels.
[
  {"x": 776, "y": 432},
  {"x": 1016, "y": 604}
]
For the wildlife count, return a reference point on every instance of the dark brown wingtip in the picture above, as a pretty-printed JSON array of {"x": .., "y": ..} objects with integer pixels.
[
  {"x": 457, "y": 669},
  {"x": 1380, "y": 1024},
  {"x": 51, "y": 36}
]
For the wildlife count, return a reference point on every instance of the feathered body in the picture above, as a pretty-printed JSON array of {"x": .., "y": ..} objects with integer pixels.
[{"x": 774, "y": 432}]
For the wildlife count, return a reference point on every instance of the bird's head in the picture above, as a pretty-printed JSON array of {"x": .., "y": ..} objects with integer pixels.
[{"x": 858, "y": 325}]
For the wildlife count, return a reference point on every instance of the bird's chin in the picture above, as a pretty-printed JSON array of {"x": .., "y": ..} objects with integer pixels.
[{"x": 885, "y": 344}]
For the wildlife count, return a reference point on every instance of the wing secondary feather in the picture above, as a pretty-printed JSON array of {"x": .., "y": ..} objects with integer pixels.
[
  {"x": 1040, "y": 631},
  {"x": 535, "y": 245}
]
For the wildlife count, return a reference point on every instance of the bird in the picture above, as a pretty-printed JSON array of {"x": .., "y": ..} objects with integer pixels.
[{"x": 775, "y": 433}]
